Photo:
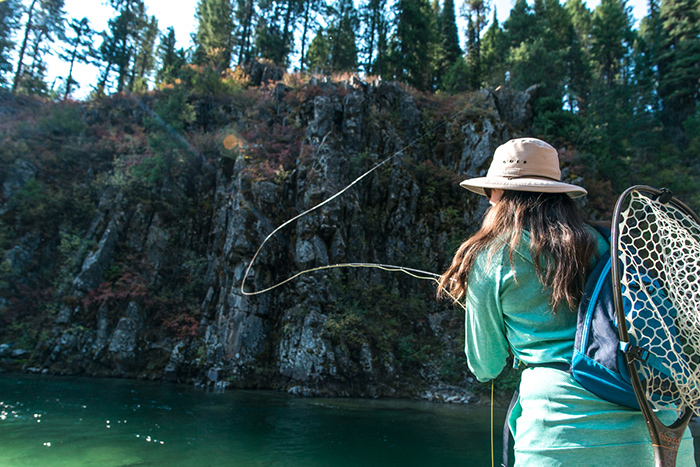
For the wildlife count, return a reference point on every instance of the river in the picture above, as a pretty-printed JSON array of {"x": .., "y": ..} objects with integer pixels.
[{"x": 66, "y": 421}]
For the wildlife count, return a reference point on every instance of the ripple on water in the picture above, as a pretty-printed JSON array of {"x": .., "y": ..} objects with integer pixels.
[{"x": 92, "y": 422}]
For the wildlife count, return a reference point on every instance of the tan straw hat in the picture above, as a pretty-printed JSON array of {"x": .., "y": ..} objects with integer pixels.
[{"x": 524, "y": 164}]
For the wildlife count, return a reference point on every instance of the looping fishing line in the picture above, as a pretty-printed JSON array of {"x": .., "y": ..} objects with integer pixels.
[{"x": 418, "y": 274}]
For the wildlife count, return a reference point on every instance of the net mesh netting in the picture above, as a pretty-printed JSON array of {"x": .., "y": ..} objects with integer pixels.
[{"x": 659, "y": 252}]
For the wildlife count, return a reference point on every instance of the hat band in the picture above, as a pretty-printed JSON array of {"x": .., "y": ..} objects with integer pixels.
[{"x": 539, "y": 177}]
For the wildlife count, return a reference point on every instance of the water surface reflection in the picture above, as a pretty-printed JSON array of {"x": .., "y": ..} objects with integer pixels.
[{"x": 51, "y": 421}]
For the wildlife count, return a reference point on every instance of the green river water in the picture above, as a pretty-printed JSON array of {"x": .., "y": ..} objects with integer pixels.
[{"x": 65, "y": 421}]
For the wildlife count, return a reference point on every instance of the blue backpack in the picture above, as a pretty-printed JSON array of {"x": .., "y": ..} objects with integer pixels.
[{"x": 598, "y": 362}]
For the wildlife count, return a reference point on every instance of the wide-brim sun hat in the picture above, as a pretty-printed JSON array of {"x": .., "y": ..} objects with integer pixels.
[{"x": 524, "y": 164}]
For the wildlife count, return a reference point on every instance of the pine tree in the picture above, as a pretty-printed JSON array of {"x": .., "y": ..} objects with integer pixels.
[
  {"x": 342, "y": 36},
  {"x": 449, "y": 51},
  {"x": 645, "y": 58},
  {"x": 244, "y": 17},
  {"x": 494, "y": 52},
  {"x": 119, "y": 42},
  {"x": 543, "y": 49},
  {"x": 581, "y": 19},
  {"x": 311, "y": 8},
  {"x": 214, "y": 37},
  {"x": 274, "y": 32},
  {"x": 144, "y": 56},
  {"x": 520, "y": 25},
  {"x": 580, "y": 76},
  {"x": 292, "y": 11},
  {"x": 45, "y": 22},
  {"x": 269, "y": 41},
  {"x": 611, "y": 39},
  {"x": 80, "y": 50},
  {"x": 319, "y": 56},
  {"x": 475, "y": 11},
  {"x": 566, "y": 58},
  {"x": 170, "y": 59},
  {"x": 610, "y": 111},
  {"x": 679, "y": 59},
  {"x": 373, "y": 18},
  {"x": 643, "y": 126},
  {"x": 411, "y": 44},
  {"x": 9, "y": 22}
]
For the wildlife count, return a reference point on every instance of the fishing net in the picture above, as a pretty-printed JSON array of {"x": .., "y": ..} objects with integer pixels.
[{"x": 659, "y": 251}]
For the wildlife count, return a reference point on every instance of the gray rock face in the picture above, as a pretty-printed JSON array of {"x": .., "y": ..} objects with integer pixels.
[
  {"x": 304, "y": 356},
  {"x": 123, "y": 345},
  {"x": 21, "y": 172},
  {"x": 176, "y": 257},
  {"x": 97, "y": 262},
  {"x": 18, "y": 257}
]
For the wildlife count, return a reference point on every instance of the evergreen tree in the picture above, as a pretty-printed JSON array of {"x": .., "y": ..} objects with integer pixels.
[
  {"x": 44, "y": 22},
  {"x": 643, "y": 126},
  {"x": 541, "y": 42},
  {"x": 311, "y": 8},
  {"x": 170, "y": 59},
  {"x": 475, "y": 11},
  {"x": 411, "y": 44},
  {"x": 342, "y": 36},
  {"x": 9, "y": 21},
  {"x": 119, "y": 42},
  {"x": 292, "y": 10},
  {"x": 107, "y": 55},
  {"x": 144, "y": 56},
  {"x": 581, "y": 19},
  {"x": 566, "y": 57},
  {"x": 274, "y": 32},
  {"x": 611, "y": 40},
  {"x": 679, "y": 59},
  {"x": 269, "y": 40},
  {"x": 319, "y": 55},
  {"x": 373, "y": 17},
  {"x": 610, "y": 112},
  {"x": 519, "y": 27},
  {"x": 494, "y": 51},
  {"x": 580, "y": 69},
  {"x": 646, "y": 56},
  {"x": 79, "y": 50},
  {"x": 449, "y": 51},
  {"x": 214, "y": 37},
  {"x": 457, "y": 78},
  {"x": 244, "y": 17}
]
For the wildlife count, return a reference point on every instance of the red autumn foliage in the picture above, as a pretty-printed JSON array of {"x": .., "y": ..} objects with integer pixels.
[{"x": 128, "y": 286}]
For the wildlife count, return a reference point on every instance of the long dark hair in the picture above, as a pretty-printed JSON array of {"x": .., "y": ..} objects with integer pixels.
[{"x": 561, "y": 246}]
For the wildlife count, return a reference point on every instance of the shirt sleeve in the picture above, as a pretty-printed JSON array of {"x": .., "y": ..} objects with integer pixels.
[{"x": 485, "y": 342}]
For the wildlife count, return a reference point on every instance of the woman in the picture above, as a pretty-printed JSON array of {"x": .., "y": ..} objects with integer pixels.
[{"x": 521, "y": 276}]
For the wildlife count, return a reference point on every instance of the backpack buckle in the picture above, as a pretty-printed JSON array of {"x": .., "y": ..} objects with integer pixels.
[{"x": 634, "y": 352}]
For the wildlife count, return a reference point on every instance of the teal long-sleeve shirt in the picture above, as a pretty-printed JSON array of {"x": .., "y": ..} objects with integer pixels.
[{"x": 508, "y": 309}]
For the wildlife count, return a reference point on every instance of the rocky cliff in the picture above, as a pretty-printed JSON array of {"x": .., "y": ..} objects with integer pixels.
[{"x": 128, "y": 225}]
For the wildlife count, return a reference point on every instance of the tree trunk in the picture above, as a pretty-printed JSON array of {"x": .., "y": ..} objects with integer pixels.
[
  {"x": 285, "y": 31},
  {"x": 22, "y": 49},
  {"x": 303, "y": 34},
  {"x": 69, "y": 80},
  {"x": 243, "y": 52}
]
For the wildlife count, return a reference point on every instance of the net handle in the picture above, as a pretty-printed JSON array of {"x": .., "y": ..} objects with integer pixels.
[
  {"x": 617, "y": 298},
  {"x": 664, "y": 454}
]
